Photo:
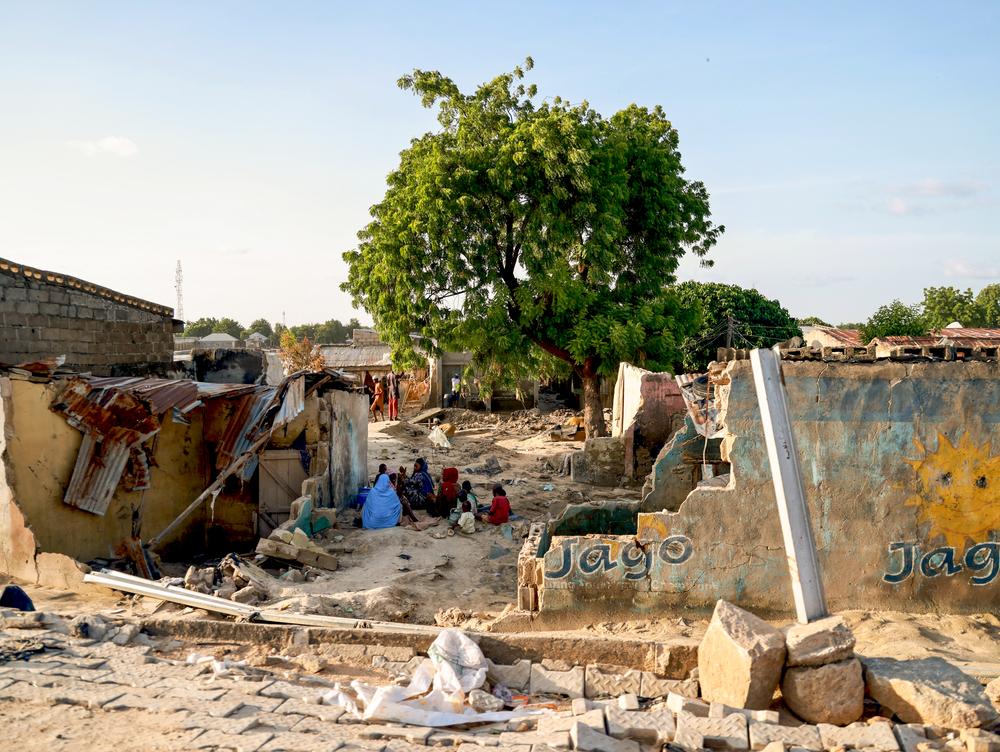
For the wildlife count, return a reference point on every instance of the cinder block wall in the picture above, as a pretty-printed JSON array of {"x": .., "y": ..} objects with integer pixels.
[{"x": 43, "y": 314}]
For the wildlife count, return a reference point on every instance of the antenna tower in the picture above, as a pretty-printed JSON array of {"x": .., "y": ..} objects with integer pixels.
[{"x": 179, "y": 287}]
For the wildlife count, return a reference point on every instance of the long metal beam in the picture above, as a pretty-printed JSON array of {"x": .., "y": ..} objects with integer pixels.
[{"x": 800, "y": 549}]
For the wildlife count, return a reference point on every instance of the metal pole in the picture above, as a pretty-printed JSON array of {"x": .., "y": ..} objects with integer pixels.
[{"x": 800, "y": 550}]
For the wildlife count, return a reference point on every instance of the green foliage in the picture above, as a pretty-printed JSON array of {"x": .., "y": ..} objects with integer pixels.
[
  {"x": 895, "y": 319},
  {"x": 988, "y": 303},
  {"x": 756, "y": 321},
  {"x": 229, "y": 326},
  {"x": 851, "y": 325},
  {"x": 943, "y": 305},
  {"x": 812, "y": 321},
  {"x": 201, "y": 327},
  {"x": 530, "y": 232},
  {"x": 262, "y": 326}
]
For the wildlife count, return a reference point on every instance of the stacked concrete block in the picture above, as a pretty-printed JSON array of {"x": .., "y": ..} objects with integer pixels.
[{"x": 823, "y": 681}]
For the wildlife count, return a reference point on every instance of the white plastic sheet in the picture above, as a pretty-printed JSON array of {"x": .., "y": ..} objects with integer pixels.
[
  {"x": 439, "y": 438},
  {"x": 436, "y": 693}
]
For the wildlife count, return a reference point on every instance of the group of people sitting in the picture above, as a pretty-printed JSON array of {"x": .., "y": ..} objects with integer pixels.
[{"x": 395, "y": 496}]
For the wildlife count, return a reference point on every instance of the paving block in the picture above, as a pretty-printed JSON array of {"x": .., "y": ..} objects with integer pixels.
[
  {"x": 721, "y": 710},
  {"x": 445, "y": 738},
  {"x": 468, "y": 747},
  {"x": 651, "y": 685},
  {"x": 650, "y": 727},
  {"x": 554, "y": 739},
  {"x": 688, "y": 739},
  {"x": 628, "y": 702},
  {"x": 329, "y": 713},
  {"x": 601, "y": 681},
  {"x": 260, "y": 702},
  {"x": 284, "y": 690},
  {"x": 551, "y": 682},
  {"x": 513, "y": 676},
  {"x": 206, "y": 722},
  {"x": 682, "y": 704},
  {"x": 909, "y": 735},
  {"x": 729, "y": 733},
  {"x": 223, "y": 707},
  {"x": 586, "y": 739},
  {"x": 553, "y": 723},
  {"x": 979, "y": 740},
  {"x": 806, "y": 737},
  {"x": 150, "y": 704},
  {"x": 581, "y": 705},
  {"x": 411, "y": 734},
  {"x": 86, "y": 696},
  {"x": 249, "y": 742},
  {"x": 290, "y": 741},
  {"x": 877, "y": 736}
]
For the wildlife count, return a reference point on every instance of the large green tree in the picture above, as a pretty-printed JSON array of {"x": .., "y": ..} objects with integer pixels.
[
  {"x": 988, "y": 302},
  {"x": 229, "y": 326},
  {"x": 895, "y": 319},
  {"x": 201, "y": 327},
  {"x": 732, "y": 316},
  {"x": 262, "y": 326},
  {"x": 521, "y": 226},
  {"x": 943, "y": 305}
]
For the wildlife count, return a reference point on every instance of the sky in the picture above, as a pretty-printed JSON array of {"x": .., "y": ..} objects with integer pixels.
[{"x": 851, "y": 149}]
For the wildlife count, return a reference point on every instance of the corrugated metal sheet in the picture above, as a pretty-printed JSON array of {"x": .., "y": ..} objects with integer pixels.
[
  {"x": 293, "y": 402},
  {"x": 970, "y": 342},
  {"x": 349, "y": 356},
  {"x": 969, "y": 333},
  {"x": 99, "y": 467},
  {"x": 902, "y": 341}
]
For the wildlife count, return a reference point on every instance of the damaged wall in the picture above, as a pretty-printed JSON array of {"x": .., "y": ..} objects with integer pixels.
[
  {"x": 901, "y": 467},
  {"x": 45, "y": 314},
  {"x": 647, "y": 410},
  {"x": 348, "y": 467},
  {"x": 39, "y": 459}
]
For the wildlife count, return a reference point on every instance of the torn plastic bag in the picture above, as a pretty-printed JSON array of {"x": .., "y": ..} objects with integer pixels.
[
  {"x": 439, "y": 438},
  {"x": 436, "y": 693}
]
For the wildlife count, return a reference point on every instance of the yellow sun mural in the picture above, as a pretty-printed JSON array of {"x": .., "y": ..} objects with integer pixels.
[{"x": 958, "y": 490}]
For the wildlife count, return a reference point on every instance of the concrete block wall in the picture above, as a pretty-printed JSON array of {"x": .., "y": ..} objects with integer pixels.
[{"x": 43, "y": 314}]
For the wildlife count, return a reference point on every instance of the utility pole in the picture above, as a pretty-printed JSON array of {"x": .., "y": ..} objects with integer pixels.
[
  {"x": 179, "y": 289},
  {"x": 729, "y": 331}
]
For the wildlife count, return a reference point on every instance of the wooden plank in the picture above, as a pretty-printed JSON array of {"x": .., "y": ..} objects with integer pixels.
[
  {"x": 427, "y": 415},
  {"x": 800, "y": 549}
]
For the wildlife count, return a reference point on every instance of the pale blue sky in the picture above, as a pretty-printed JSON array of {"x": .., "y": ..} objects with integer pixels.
[{"x": 851, "y": 149}]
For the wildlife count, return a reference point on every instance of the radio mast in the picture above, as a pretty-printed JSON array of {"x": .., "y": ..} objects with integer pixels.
[{"x": 179, "y": 287}]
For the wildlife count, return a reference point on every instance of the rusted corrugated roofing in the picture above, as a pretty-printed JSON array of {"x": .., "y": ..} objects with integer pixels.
[
  {"x": 965, "y": 332},
  {"x": 970, "y": 342},
  {"x": 897, "y": 340}
]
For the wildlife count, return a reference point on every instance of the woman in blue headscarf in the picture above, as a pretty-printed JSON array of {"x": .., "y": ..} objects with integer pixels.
[{"x": 382, "y": 507}]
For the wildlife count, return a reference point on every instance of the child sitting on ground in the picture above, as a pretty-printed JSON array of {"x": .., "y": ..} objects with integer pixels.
[
  {"x": 500, "y": 508},
  {"x": 466, "y": 522},
  {"x": 467, "y": 487}
]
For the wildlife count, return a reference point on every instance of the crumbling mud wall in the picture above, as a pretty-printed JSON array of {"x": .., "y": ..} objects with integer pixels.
[
  {"x": 678, "y": 468},
  {"x": 40, "y": 452},
  {"x": 98, "y": 330},
  {"x": 647, "y": 410},
  {"x": 348, "y": 466},
  {"x": 901, "y": 468}
]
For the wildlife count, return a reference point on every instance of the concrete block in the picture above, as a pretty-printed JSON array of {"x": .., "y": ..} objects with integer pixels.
[
  {"x": 550, "y": 682},
  {"x": 740, "y": 658},
  {"x": 649, "y": 727},
  {"x": 978, "y": 740},
  {"x": 585, "y": 739},
  {"x": 554, "y": 723},
  {"x": 628, "y": 702},
  {"x": 833, "y": 693},
  {"x": 676, "y": 658},
  {"x": 909, "y": 735},
  {"x": 651, "y": 685},
  {"x": 680, "y": 704},
  {"x": 555, "y": 739},
  {"x": 763, "y": 734},
  {"x": 721, "y": 710},
  {"x": 603, "y": 682},
  {"x": 929, "y": 690},
  {"x": 513, "y": 676},
  {"x": 877, "y": 736},
  {"x": 819, "y": 642},
  {"x": 689, "y": 740},
  {"x": 729, "y": 733}
]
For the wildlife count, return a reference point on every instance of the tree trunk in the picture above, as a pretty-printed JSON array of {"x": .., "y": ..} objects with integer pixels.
[{"x": 593, "y": 410}]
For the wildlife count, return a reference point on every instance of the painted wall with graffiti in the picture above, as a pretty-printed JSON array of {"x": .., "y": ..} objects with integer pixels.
[{"x": 901, "y": 466}]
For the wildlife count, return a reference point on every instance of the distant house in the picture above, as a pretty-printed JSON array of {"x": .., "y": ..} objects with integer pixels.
[
  {"x": 256, "y": 339},
  {"x": 961, "y": 336},
  {"x": 219, "y": 339},
  {"x": 831, "y": 336}
]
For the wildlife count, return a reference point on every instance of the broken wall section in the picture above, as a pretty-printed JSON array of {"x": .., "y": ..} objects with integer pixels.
[{"x": 901, "y": 466}]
